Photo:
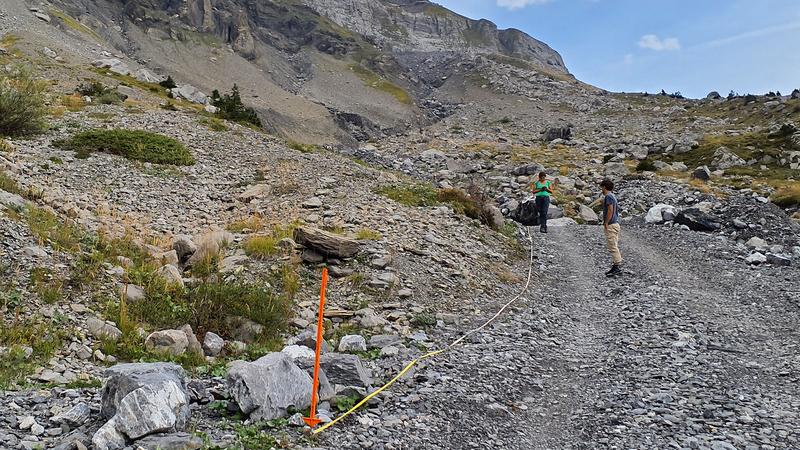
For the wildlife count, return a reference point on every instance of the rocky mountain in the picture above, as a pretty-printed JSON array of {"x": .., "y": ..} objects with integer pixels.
[
  {"x": 162, "y": 244},
  {"x": 347, "y": 64}
]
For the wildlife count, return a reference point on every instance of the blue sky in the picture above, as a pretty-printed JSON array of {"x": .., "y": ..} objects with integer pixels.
[{"x": 691, "y": 46}]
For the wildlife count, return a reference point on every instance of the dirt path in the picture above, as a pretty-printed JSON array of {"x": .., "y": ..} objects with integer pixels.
[{"x": 690, "y": 349}]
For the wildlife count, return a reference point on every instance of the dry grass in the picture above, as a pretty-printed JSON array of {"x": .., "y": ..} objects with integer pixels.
[
  {"x": 480, "y": 147},
  {"x": 73, "y": 102},
  {"x": 265, "y": 246},
  {"x": 252, "y": 224},
  {"x": 788, "y": 195},
  {"x": 366, "y": 234}
]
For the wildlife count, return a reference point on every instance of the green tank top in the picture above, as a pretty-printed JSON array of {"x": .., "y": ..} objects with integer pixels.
[{"x": 539, "y": 185}]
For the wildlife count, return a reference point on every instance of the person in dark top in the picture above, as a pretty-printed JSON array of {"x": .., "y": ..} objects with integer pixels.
[
  {"x": 543, "y": 189},
  {"x": 611, "y": 226}
]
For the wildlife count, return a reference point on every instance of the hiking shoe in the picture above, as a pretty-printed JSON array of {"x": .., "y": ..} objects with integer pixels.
[
  {"x": 543, "y": 229},
  {"x": 615, "y": 270}
]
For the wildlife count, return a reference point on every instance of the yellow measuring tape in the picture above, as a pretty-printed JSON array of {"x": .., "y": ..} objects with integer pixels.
[{"x": 434, "y": 353}]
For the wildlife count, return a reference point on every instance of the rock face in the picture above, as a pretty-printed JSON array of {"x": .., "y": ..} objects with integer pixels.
[
  {"x": 428, "y": 27},
  {"x": 725, "y": 159},
  {"x": 142, "y": 399},
  {"x": 325, "y": 243},
  {"x": 265, "y": 388}
]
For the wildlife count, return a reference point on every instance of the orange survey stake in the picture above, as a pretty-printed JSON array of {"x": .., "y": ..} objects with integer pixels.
[{"x": 312, "y": 420}]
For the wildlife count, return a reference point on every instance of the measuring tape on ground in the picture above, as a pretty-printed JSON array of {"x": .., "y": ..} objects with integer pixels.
[{"x": 437, "y": 352}]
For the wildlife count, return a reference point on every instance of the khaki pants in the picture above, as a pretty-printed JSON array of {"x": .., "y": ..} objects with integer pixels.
[{"x": 612, "y": 239}]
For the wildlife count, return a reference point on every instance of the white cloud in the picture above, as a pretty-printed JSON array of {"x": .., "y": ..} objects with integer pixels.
[
  {"x": 653, "y": 42},
  {"x": 519, "y": 4}
]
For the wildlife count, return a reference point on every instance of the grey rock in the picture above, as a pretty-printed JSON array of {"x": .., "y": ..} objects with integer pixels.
[
  {"x": 778, "y": 260},
  {"x": 132, "y": 292},
  {"x": 123, "y": 379},
  {"x": 173, "y": 441},
  {"x": 12, "y": 200},
  {"x": 184, "y": 246},
  {"x": 326, "y": 244},
  {"x": 346, "y": 370},
  {"x": 244, "y": 329},
  {"x": 756, "y": 258},
  {"x": 108, "y": 437},
  {"x": 213, "y": 344},
  {"x": 102, "y": 329},
  {"x": 190, "y": 93},
  {"x": 193, "y": 345},
  {"x": 171, "y": 342},
  {"x": 702, "y": 173},
  {"x": 75, "y": 416},
  {"x": 353, "y": 343},
  {"x": 264, "y": 389}
]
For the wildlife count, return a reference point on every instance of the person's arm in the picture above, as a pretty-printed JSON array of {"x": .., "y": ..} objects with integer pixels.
[{"x": 596, "y": 202}]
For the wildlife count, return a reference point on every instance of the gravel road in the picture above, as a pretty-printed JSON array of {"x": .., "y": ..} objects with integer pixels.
[{"x": 690, "y": 349}]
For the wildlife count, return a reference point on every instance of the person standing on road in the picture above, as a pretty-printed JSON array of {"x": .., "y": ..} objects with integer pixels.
[
  {"x": 542, "y": 189},
  {"x": 611, "y": 226}
]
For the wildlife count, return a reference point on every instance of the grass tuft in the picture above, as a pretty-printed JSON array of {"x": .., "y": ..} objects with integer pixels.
[
  {"x": 132, "y": 144},
  {"x": 264, "y": 246},
  {"x": 365, "y": 234},
  {"x": 22, "y": 102},
  {"x": 787, "y": 196}
]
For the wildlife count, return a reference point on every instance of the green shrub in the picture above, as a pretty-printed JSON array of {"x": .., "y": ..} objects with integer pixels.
[
  {"x": 22, "y": 103},
  {"x": 44, "y": 338},
  {"x": 365, "y": 234},
  {"x": 206, "y": 306},
  {"x": 231, "y": 107},
  {"x": 264, "y": 246},
  {"x": 300, "y": 147},
  {"x": 49, "y": 228},
  {"x": 473, "y": 204},
  {"x": 411, "y": 194},
  {"x": 646, "y": 165},
  {"x": 132, "y": 144},
  {"x": 169, "y": 83},
  {"x": 101, "y": 93}
]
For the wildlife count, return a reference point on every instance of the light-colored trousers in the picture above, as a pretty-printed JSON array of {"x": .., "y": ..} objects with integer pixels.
[{"x": 612, "y": 239}]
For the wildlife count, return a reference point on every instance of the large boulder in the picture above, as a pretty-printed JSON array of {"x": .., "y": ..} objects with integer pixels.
[
  {"x": 266, "y": 388},
  {"x": 795, "y": 94},
  {"x": 697, "y": 220},
  {"x": 724, "y": 158},
  {"x": 184, "y": 246},
  {"x": 528, "y": 169},
  {"x": 616, "y": 170},
  {"x": 526, "y": 213},
  {"x": 713, "y": 95},
  {"x": 702, "y": 173},
  {"x": 588, "y": 215},
  {"x": 656, "y": 213},
  {"x": 553, "y": 133},
  {"x": 147, "y": 76},
  {"x": 345, "y": 370},
  {"x": 325, "y": 243},
  {"x": 170, "y": 342},
  {"x": 142, "y": 399},
  {"x": 114, "y": 65},
  {"x": 190, "y": 93}
]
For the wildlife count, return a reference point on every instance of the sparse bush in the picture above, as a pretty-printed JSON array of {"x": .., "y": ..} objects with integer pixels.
[
  {"x": 787, "y": 196},
  {"x": 132, "y": 144},
  {"x": 300, "y": 147},
  {"x": 646, "y": 165},
  {"x": 100, "y": 93},
  {"x": 169, "y": 83},
  {"x": 22, "y": 106},
  {"x": 213, "y": 124},
  {"x": 231, "y": 107},
  {"x": 5, "y": 147},
  {"x": 365, "y": 234},
  {"x": 49, "y": 228},
  {"x": 264, "y": 246},
  {"x": 411, "y": 194},
  {"x": 473, "y": 204},
  {"x": 206, "y": 306},
  {"x": 40, "y": 337}
]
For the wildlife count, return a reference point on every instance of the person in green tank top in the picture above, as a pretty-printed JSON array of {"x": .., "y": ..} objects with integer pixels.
[{"x": 543, "y": 189}]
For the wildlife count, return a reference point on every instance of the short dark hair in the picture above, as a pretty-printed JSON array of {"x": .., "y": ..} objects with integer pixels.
[
  {"x": 542, "y": 174},
  {"x": 608, "y": 184}
]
